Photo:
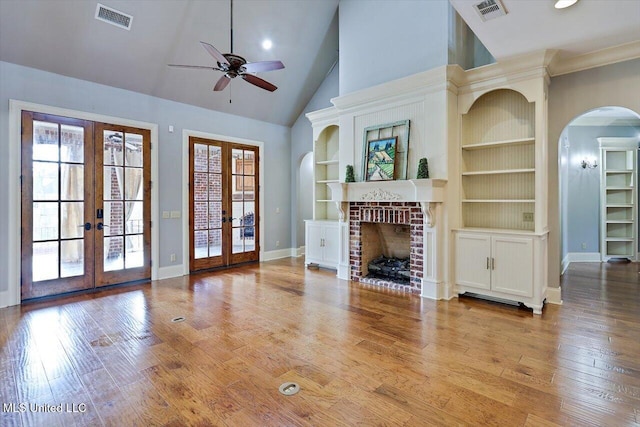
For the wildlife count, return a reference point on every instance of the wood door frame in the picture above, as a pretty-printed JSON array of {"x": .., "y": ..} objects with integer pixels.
[
  {"x": 186, "y": 134},
  {"x": 11, "y": 296}
]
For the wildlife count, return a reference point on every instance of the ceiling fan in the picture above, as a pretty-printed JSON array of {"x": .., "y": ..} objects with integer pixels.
[{"x": 233, "y": 66}]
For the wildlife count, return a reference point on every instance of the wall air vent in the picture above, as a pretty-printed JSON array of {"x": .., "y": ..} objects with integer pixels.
[
  {"x": 113, "y": 17},
  {"x": 489, "y": 9}
]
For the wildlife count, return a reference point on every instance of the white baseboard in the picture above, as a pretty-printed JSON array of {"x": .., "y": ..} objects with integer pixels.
[
  {"x": 437, "y": 290},
  {"x": 169, "y": 272},
  {"x": 299, "y": 252},
  {"x": 554, "y": 295},
  {"x": 584, "y": 257},
  {"x": 280, "y": 253}
]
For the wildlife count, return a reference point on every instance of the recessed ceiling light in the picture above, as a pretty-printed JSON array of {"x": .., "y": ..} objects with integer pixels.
[
  {"x": 266, "y": 44},
  {"x": 561, "y": 4}
]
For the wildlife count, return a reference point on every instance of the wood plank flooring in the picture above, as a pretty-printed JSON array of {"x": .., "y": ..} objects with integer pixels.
[{"x": 362, "y": 356}]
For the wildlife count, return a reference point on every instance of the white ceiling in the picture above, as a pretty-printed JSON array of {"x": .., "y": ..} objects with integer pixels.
[
  {"x": 63, "y": 37},
  {"x": 535, "y": 25}
]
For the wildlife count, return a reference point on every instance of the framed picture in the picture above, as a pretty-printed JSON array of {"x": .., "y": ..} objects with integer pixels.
[
  {"x": 399, "y": 130},
  {"x": 380, "y": 159}
]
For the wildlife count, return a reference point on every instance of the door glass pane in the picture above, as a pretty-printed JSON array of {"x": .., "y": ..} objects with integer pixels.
[
  {"x": 72, "y": 144},
  {"x": 215, "y": 215},
  {"x": 114, "y": 218},
  {"x": 134, "y": 252},
  {"x": 113, "y": 253},
  {"x": 215, "y": 159},
  {"x": 45, "y": 141},
  {"x": 113, "y": 183},
  {"x": 237, "y": 232},
  {"x": 45, "y": 261},
  {"x": 133, "y": 214},
  {"x": 200, "y": 244},
  {"x": 133, "y": 150},
  {"x": 199, "y": 158},
  {"x": 215, "y": 186},
  {"x": 72, "y": 220},
  {"x": 200, "y": 186},
  {"x": 215, "y": 242},
  {"x": 45, "y": 181},
  {"x": 72, "y": 182},
  {"x": 200, "y": 213},
  {"x": 72, "y": 253},
  {"x": 45, "y": 221},
  {"x": 112, "y": 148},
  {"x": 133, "y": 187}
]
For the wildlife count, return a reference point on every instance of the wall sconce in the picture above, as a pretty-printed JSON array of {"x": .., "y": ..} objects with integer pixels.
[{"x": 589, "y": 163}]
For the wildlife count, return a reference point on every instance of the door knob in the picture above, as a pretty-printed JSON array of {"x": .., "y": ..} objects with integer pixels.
[
  {"x": 100, "y": 226},
  {"x": 86, "y": 226}
]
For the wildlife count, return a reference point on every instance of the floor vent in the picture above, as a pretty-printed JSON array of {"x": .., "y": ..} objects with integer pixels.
[
  {"x": 490, "y": 9},
  {"x": 113, "y": 17}
]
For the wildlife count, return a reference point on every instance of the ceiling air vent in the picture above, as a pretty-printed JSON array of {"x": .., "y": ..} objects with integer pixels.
[
  {"x": 113, "y": 17},
  {"x": 490, "y": 9}
]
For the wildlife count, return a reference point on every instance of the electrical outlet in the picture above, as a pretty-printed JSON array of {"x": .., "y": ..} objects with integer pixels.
[
  {"x": 584, "y": 246},
  {"x": 165, "y": 214},
  {"x": 277, "y": 243},
  {"x": 527, "y": 216},
  {"x": 173, "y": 257}
]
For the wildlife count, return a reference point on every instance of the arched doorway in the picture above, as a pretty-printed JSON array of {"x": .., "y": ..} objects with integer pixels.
[{"x": 580, "y": 186}]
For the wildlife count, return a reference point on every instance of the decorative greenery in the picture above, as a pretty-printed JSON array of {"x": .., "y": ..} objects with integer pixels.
[
  {"x": 423, "y": 169},
  {"x": 349, "y": 176}
]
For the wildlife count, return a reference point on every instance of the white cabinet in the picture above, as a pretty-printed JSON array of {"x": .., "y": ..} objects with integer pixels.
[
  {"x": 618, "y": 198},
  {"x": 506, "y": 266},
  {"x": 322, "y": 243}
]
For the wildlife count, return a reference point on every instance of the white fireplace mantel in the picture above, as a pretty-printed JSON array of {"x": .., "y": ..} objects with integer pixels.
[{"x": 423, "y": 191}]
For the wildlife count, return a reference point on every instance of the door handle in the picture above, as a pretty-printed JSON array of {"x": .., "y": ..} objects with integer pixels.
[
  {"x": 231, "y": 219},
  {"x": 100, "y": 226},
  {"x": 488, "y": 264},
  {"x": 86, "y": 226}
]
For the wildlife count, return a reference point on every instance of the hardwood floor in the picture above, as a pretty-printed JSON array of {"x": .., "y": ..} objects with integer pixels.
[{"x": 362, "y": 356}]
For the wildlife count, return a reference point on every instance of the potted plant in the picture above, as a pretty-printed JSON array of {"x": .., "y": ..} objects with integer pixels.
[{"x": 423, "y": 169}]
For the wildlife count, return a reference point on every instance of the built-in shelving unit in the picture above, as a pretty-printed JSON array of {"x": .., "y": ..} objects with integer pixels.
[
  {"x": 326, "y": 170},
  {"x": 618, "y": 197},
  {"x": 500, "y": 247},
  {"x": 498, "y": 162},
  {"x": 322, "y": 233}
]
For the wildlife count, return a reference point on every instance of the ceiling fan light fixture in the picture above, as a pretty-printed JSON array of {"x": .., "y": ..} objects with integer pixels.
[
  {"x": 563, "y": 4},
  {"x": 267, "y": 44}
]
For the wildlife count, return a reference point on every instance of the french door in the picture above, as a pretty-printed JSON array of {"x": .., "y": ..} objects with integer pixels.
[
  {"x": 86, "y": 211},
  {"x": 223, "y": 200}
]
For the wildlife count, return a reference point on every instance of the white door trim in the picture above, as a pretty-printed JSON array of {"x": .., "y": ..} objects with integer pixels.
[{"x": 12, "y": 295}]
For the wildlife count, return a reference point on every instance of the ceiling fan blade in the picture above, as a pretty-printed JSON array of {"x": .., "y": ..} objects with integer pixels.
[
  {"x": 254, "y": 80},
  {"x": 215, "y": 53},
  {"x": 222, "y": 83},
  {"x": 199, "y": 67},
  {"x": 258, "y": 67}
]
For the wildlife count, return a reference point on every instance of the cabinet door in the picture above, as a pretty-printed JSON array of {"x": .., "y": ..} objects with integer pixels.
[
  {"x": 512, "y": 265},
  {"x": 331, "y": 245},
  {"x": 472, "y": 264},
  {"x": 313, "y": 244}
]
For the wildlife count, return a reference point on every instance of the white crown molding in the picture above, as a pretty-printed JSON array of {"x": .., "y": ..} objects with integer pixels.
[
  {"x": 612, "y": 55},
  {"x": 413, "y": 86}
]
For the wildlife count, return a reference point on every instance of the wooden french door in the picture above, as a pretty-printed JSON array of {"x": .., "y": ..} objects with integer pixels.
[
  {"x": 86, "y": 211},
  {"x": 223, "y": 204}
]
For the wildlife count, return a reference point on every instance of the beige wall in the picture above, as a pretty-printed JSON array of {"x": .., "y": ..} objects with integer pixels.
[{"x": 569, "y": 96}]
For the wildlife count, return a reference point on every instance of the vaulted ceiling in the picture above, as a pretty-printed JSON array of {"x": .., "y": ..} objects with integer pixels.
[{"x": 63, "y": 37}]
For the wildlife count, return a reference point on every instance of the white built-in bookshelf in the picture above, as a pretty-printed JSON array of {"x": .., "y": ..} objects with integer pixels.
[
  {"x": 618, "y": 198},
  {"x": 498, "y": 162}
]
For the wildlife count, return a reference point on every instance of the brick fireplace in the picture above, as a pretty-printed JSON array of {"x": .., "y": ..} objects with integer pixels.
[
  {"x": 414, "y": 207},
  {"x": 364, "y": 244}
]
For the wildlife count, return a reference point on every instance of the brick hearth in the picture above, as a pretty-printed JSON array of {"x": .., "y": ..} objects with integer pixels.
[{"x": 400, "y": 213}]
